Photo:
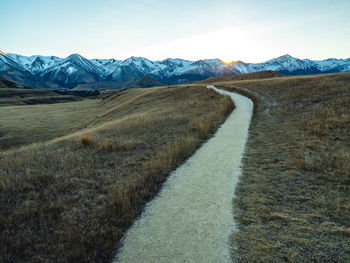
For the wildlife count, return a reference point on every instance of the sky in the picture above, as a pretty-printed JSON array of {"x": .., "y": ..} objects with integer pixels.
[{"x": 231, "y": 30}]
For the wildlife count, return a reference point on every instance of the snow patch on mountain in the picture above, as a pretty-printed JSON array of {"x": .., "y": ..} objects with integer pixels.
[{"x": 71, "y": 70}]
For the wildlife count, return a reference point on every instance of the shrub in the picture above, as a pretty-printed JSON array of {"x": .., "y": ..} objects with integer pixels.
[{"x": 86, "y": 140}]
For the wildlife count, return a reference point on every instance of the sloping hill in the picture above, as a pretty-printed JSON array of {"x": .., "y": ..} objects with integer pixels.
[
  {"x": 71, "y": 195},
  {"x": 293, "y": 202},
  {"x": 255, "y": 75},
  {"x": 12, "y": 93},
  {"x": 144, "y": 82}
]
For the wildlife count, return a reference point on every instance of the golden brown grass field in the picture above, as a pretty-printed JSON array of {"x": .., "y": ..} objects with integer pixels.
[
  {"x": 248, "y": 76},
  {"x": 293, "y": 200},
  {"x": 74, "y": 176},
  {"x": 14, "y": 94}
]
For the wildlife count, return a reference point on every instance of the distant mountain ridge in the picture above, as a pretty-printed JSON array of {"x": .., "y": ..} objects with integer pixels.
[{"x": 54, "y": 72}]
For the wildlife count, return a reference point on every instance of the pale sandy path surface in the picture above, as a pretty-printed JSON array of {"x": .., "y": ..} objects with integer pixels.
[{"x": 191, "y": 218}]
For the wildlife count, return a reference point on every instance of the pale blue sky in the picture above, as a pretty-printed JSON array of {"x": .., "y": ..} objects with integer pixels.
[{"x": 248, "y": 30}]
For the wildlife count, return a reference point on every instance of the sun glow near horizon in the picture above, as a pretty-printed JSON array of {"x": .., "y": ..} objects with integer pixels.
[
  {"x": 230, "y": 44},
  {"x": 251, "y": 31},
  {"x": 228, "y": 62}
]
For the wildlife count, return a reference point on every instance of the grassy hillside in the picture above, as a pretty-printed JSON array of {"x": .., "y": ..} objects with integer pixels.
[
  {"x": 144, "y": 82},
  {"x": 255, "y": 75},
  {"x": 22, "y": 125},
  {"x": 71, "y": 194},
  {"x": 293, "y": 201},
  {"x": 15, "y": 94}
]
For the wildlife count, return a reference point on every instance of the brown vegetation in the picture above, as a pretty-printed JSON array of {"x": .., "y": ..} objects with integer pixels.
[
  {"x": 86, "y": 140},
  {"x": 293, "y": 199},
  {"x": 71, "y": 198},
  {"x": 255, "y": 75},
  {"x": 15, "y": 94}
]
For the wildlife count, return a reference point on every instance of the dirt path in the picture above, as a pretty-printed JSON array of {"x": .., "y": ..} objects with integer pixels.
[{"x": 191, "y": 218}]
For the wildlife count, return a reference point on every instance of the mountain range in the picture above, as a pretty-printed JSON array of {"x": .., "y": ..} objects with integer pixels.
[{"x": 50, "y": 72}]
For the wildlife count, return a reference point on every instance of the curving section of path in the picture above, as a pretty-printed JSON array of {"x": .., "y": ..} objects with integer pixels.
[{"x": 191, "y": 218}]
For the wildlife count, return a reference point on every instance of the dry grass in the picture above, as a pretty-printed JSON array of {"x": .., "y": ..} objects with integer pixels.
[
  {"x": 23, "y": 125},
  {"x": 255, "y": 75},
  {"x": 293, "y": 200},
  {"x": 63, "y": 201}
]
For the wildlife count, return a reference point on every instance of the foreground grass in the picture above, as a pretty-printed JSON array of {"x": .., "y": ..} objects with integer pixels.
[
  {"x": 72, "y": 198},
  {"x": 293, "y": 201}
]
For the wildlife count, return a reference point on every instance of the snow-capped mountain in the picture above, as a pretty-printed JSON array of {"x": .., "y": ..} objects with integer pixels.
[
  {"x": 13, "y": 71},
  {"x": 108, "y": 66},
  {"x": 333, "y": 65},
  {"x": 73, "y": 70},
  {"x": 292, "y": 66},
  {"x": 6, "y": 63},
  {"x": 53, "y": 72},
  {"x": 35, "y": 64}
]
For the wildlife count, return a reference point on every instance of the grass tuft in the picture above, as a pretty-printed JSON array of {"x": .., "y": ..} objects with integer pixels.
[{"x": 106, "y": 146}]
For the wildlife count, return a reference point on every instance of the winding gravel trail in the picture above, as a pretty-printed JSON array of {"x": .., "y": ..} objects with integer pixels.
[{"x": 191, "y": 218}]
